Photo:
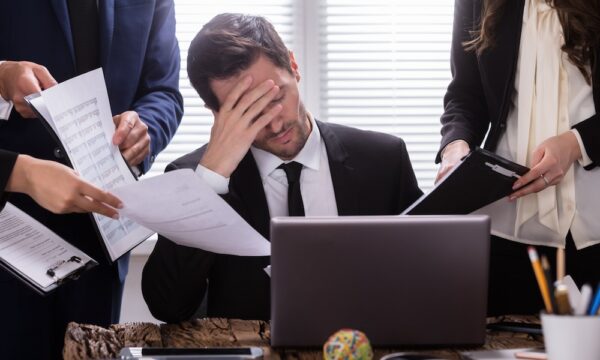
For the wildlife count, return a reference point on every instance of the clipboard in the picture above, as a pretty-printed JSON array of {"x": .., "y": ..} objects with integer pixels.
[
  {"x": 35, "y": 255},
  {"x": 481, "y": 178},
  {"x": 59, "y": 280}
]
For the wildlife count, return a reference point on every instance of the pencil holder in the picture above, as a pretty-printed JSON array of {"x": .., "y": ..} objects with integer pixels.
[{"x": 571, "y": 337}]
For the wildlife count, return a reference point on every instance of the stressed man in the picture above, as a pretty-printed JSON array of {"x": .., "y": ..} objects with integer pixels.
[{"x": 267, "y": 156}]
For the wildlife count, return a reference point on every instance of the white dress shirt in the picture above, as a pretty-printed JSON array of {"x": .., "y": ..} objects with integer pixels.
[
  {"x": 315, "y": 180},
  {"x": 585, "y": 227},
  {"x": 5, "y": 106}
]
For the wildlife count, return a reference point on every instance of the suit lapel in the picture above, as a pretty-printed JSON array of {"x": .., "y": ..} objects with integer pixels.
[
  {"x": 501, "y": 59},
  {"x": 341, "y": 172},
  {"x": 62, "y": 14},
  {"x": 248, "y": 187},
  {"x": 106, "y": 13}
]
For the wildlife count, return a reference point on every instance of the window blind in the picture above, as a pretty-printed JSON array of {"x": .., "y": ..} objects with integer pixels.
[
  {"x": 384, "y": 66},
  {"x": 194, "y": 130}
]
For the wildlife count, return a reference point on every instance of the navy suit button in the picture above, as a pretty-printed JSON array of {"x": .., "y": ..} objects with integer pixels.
[
  {"x": 152, "y": 158},
  {"x": 58, "y": 153}
]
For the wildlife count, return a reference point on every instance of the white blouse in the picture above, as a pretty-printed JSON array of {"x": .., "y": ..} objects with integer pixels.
[{"x": 585, "y": 222}]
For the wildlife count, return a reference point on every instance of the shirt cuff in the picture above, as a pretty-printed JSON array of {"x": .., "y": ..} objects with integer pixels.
[
  {"x": 217, "y": 182},
  {"x": 585, "y": 159},
  {"x": 5, "y": 106}
]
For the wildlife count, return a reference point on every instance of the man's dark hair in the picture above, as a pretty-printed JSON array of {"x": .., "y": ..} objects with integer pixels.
[{"x": 229, "y": 44}]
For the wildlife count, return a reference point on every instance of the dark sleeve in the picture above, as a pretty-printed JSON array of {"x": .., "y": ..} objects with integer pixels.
[
  {"x": 465, "y": 111},
  {"x": 175, "y": 278},
  {"x": 409, "y": 187},
  {"x": 158, "y": 100},
  {"x": 7, "y": 163},
  {"x": 589, "y": 130}
]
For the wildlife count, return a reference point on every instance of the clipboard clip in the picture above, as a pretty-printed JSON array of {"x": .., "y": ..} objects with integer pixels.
[
  {"x": 499, "y": 169},
  {"x": 52, "y": 270}
]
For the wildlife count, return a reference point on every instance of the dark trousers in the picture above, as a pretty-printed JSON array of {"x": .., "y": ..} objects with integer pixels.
[
  {"x": 513, "y": 287},
  {"x": 33, "y": 326}
]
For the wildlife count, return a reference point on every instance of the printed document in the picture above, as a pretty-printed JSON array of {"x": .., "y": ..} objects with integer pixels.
[
  {"x": 78, "y": 112},
  {"x": 183, "y": 208},
  {"x": 34, "y": 253}
]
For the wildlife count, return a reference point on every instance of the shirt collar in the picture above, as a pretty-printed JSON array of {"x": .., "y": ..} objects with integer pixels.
[{"x": 309, "y": 156}]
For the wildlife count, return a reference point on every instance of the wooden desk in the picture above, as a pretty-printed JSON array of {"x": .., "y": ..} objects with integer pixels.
[{"x": 89, "y": 341}]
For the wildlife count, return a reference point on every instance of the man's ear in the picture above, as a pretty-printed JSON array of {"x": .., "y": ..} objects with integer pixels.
[{"x": 294, "y": 65}]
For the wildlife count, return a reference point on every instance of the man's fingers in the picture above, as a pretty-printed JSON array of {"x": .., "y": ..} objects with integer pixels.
[
  {"x": 260, "y": 105},
  {"x": 238, "y": 90},
  {"x": 44, "y": 78},
  {"x": 251, "y": 97},
  {"x": 137, "y": 152},
  {"x": 125, "y": 123},
  {"x": 265, "y": 119},
  {"x": 134, "y": 136}
]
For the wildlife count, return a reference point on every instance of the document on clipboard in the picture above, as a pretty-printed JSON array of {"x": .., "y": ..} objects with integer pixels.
[
  {"x": 481, "y": 178},
  {"x": 77, "y": 113},
  {"x": 36, "y": 255}
]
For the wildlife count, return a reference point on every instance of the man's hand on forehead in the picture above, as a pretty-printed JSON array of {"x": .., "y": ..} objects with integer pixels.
[{"x": 241, "y": 117}]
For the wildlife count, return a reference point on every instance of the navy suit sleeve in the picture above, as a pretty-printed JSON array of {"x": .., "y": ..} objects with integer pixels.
[
  {"x": 465, "y": 111},
  {"x": 158, "y": 100},
  {"x": 7, "y": 163}
]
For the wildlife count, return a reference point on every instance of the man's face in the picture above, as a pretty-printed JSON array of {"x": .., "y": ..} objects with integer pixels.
[{"x": 287, "y": 133}]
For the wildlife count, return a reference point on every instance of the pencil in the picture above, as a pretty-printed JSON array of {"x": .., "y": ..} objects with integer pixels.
[
  {"x": 549, "y": 282},
  {"x": 560, "y": 264},
  {"x": 541, "y": 279}
]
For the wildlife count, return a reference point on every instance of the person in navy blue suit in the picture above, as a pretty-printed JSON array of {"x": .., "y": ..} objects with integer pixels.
[{"x": 43, "y": 42}]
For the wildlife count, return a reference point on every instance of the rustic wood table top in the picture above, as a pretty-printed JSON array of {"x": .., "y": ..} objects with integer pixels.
[{"x": 93, "y": 342}]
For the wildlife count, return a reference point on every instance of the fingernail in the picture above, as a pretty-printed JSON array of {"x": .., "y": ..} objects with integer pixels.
[
  {"x": 516, "y": 186},
  {"x": 119, "y": 205},
  {"x": 511, "y": 198},
  {"x": 115, "y": 216}
]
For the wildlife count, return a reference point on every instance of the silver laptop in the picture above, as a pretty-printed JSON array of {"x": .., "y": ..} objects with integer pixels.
[{"x": 402, "y": 280}]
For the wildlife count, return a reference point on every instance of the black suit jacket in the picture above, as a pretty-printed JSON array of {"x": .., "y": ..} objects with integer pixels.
[
  {"x": 479, "y": 96},
  {"x": 371, "y": 174},
  {"x": 7, "y": 163}
]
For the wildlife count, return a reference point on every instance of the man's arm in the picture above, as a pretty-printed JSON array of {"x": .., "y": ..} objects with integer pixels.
[
  {"x": 409, "y": 190},
  {"x": 158, "y": 104},
  {"x": 175, "y": 279}
]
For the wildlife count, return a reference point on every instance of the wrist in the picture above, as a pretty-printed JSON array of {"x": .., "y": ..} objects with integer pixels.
[
  {"x": 456, "y": 146},
  {"x": 573, "y": 145},
  {"x": 20, "y": 178},
  {"x": 216, "y": 165}
]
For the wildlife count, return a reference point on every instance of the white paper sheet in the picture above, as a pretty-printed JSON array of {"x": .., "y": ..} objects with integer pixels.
[
  {"x": 183, "y": 208},
  {"x": 30, "y": 249},
  {"x": 79, "y": 112}
]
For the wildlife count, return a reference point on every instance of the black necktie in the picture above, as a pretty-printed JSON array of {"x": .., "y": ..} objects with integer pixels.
[
  {"x": 295, "y": 204},
  {"x": 83, "y": 15}
]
